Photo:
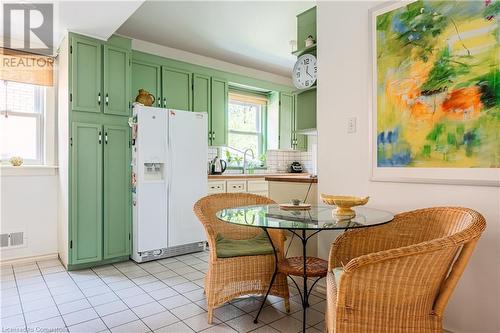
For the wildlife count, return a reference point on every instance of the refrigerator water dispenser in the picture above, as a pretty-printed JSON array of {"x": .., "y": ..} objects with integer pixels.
[{"x": 153, "y": 171}]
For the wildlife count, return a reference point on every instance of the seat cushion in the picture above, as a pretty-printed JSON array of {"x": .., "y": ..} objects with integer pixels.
[
  {"x": 229, "y": 248},
  {"x": 337, "y": 272}
]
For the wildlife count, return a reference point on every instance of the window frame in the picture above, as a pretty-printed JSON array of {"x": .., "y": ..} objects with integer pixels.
[
  {"x": 39, "y": 113},
  {"x": 262, "y": 125}
]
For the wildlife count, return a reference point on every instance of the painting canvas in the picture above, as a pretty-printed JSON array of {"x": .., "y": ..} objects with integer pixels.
[{"x": 437, "y": 85}]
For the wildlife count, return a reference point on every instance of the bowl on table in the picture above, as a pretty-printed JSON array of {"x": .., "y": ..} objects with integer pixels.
[{"x": 344, "y": 204}]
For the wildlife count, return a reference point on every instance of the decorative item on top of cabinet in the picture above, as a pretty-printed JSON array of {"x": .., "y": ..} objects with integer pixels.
[
  {"x": 145, "y": 98},
  {"x": 310, "y": 41}
]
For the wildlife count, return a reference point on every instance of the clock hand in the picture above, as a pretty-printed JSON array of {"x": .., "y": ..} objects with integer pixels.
[{"x": 307, "y": 72}]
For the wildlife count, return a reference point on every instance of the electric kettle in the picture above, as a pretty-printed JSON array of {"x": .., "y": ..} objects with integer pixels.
[{"x": 217, "y": 166}]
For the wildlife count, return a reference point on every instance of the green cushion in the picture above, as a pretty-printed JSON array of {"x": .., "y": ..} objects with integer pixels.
[
  {"x": 228, "y": 248},
  {"x": 337, "y": 272}
]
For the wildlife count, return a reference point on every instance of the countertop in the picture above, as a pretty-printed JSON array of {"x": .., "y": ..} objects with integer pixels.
[{"x": 278, "y": 177}]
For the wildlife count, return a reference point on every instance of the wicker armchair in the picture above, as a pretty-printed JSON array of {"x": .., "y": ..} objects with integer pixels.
[
  {"x": 398, "y": 277},
  {"x": 228, "y": 278}
]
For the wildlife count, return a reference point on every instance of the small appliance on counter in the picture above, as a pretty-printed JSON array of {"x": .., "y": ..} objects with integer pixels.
[
  {"x": 217, "y": 166},
  {"x": 296, "y": 167}
]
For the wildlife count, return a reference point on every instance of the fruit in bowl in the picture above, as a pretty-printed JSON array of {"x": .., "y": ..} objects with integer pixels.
[{"x": 344, "y": 204}]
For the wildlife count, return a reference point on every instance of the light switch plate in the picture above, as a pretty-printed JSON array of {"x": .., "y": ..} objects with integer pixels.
[{"x": 351, "y": 125}]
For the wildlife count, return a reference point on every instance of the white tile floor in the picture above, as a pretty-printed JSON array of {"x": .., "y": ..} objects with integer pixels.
[{"x": 160, "y": 296}]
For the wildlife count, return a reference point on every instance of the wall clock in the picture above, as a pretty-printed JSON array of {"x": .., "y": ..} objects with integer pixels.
[{"x": 304, "y": 71}]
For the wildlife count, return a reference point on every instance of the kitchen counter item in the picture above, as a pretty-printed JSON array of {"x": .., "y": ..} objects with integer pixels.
[
  {"x": 217, "y": 166},
  {"x": 296, "y": 167}
]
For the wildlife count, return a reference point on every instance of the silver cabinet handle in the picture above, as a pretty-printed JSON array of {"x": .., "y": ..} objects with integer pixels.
[
  {"x": 213, "y": 135},
  {"x": 106, "y": 137},
  {"x": 100, "y": 137},
  {"x": 159, "y": 102},
  {"x": 99, "y": 98},
  {"x": 107, "y": 100},
  {"x": 164, "y": 102}
]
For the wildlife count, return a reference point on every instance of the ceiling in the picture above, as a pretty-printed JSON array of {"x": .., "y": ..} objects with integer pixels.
[
  {"x": 91, "y": 18},
  {"x": 254, "y": 34}
]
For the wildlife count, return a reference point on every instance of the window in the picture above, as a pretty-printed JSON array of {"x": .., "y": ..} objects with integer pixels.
[
  {"x": 22, "y": 110},
  {"x": 246, "y": 123}
]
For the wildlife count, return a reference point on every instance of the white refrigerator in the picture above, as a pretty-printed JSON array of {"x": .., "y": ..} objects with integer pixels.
[{"x": 169, "y": 164}]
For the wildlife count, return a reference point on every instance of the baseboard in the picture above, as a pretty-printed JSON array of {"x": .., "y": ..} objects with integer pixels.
[{"x": 27, "y": 260}]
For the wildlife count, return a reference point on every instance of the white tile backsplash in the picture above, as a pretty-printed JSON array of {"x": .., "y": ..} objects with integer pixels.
[{"x": 278, "y": 161}]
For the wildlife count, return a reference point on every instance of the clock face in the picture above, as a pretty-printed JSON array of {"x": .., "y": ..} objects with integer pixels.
[{"x": 304, "y": 71}]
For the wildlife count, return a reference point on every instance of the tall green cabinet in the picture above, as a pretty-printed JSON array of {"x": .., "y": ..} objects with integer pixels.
[{"x": 99, "y": 205}]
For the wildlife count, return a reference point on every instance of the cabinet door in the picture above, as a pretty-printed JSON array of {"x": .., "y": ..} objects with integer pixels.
[
  {"x": 218, "y": 112},
  {"x": 201, "y": 93},
  {"x": 86, "y": 193},
  {"x": 299, "y": 141},
  {"x": 116, "y": 81},
  {"x": 286, "y": 121},
  {"x": 117, "y": 204},
  {"x": 146, "y": 76},
  {"x": 86, "y": 75},
  {"x": 176, "y": 89}
]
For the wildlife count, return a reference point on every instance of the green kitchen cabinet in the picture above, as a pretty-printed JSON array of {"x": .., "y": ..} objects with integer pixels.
[
  {"x": 176, "y": 89},
  {"x": 289, "y": 123},
  {"x": 117, "y": 215},
  {"x": 306, "y": 26},
  {"x": 116, "y": 80},
  {"x": 100, "y": 77},
  {"x": 218, "y": 112},
  {"x": 201, "y": 93},
  {"x": 286, "y": 120},
  {"x": 146, "y": 76},
  {"x": 86, "y": 193},
  {"x": 86, "y": 94}
]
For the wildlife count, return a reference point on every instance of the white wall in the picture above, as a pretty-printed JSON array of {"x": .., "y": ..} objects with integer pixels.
[
  {"x": 192, "y": 58},
  {"x": 29, "y": 204},
  {"x": 343, "y": 163}
]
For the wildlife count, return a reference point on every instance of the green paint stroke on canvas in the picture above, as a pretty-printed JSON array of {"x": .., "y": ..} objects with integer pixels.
[{"x": 438, "y": 85}]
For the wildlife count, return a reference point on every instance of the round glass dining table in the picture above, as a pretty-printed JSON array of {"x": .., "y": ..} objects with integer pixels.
[{"x": 304, "y": 224}]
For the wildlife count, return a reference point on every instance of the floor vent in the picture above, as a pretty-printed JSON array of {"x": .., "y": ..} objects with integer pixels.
[{"x": 14, "y": 239}]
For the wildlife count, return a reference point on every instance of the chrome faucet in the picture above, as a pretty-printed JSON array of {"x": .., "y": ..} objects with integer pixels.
[{"x": 245, "y": 162}]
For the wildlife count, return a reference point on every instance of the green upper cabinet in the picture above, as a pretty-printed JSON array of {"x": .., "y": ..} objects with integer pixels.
[
  {"x": 306, "y": 26},
  {"x": 86, "y": 193},
  {"x": 286, "y": 119},
  {"x": 176, "y": 89},
  {"x": 100, "y": 76},
  {"x": 117, "y": 204},
  {"x": 201, "y": 93},
  {"x": 218, "y": 113},
  {"x": 146, "y": 76},
  {"x": 85, "y": 91},
  {"x": 116, "y": 80}
]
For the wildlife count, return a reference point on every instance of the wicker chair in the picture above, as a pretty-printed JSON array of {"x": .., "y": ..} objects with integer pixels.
[
  {"x": 228, "y": 278},
  {"x": 398, "y": 277}
]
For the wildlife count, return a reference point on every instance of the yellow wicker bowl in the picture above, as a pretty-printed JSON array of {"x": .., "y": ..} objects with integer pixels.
[{"x": 344, "y": 204}]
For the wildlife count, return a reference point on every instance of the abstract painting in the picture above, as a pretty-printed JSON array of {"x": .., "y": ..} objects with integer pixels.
[{"x": 437, "y": 85}]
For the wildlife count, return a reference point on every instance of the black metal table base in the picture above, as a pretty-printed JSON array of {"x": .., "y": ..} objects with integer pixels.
[{"x": 304, "y": 295}]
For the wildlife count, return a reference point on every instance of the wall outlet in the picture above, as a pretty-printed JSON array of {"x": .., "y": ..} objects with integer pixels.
[{"x": 351, "y": 125}]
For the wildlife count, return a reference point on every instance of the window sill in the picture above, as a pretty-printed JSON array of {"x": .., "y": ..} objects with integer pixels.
[{"x": 28, "y": 170}]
